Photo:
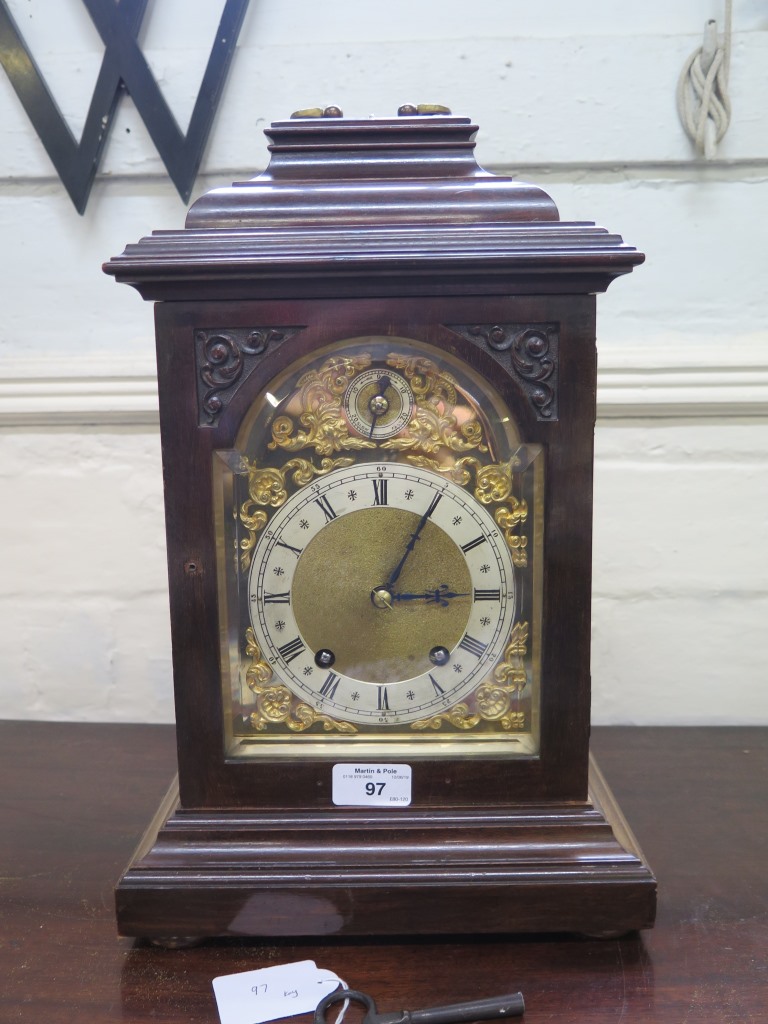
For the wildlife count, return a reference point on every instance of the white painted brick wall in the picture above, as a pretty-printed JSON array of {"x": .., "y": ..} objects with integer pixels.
[{"x": 577, "y": 97}]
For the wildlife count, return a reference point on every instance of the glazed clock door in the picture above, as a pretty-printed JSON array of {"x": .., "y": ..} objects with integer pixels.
[{"x": 380, "y": 534}]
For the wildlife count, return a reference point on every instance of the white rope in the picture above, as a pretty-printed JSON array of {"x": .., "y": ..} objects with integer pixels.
[
  {"x": 702, "y": 90},
  {"x": 345, "y": 1005}
]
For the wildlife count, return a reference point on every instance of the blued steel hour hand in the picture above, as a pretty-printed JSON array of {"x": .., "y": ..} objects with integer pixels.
[{"x": 441, "y": 595}]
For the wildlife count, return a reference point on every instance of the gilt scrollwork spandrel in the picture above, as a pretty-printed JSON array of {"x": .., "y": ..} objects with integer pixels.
[
  {"x": 460, "y": 717},
  {"x": 509, "y": 518},
  {"x": 493, "y": 481},
  {"x": 493, "y": 485},
  {"x": 533, "y": 351},
  {"x": 259, "y": 671},
  {"x": 318, "y": 421},
  {"x": 510, "y": 672},
  {"x": 268, "y": 488},
  {"x": 496, "y": 699},
  {"x": 275, "y": 704},
  {"x": 440, "y": 419},
  {"x": 426, "y": 379},
  {"x": 225, "y": 358}
]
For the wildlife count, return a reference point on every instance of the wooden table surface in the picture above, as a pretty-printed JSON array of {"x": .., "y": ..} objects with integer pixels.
[{"x": 75, "y": 799}]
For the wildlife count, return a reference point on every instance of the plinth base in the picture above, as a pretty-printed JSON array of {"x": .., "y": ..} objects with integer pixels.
[{"x": 548, "y": 867}]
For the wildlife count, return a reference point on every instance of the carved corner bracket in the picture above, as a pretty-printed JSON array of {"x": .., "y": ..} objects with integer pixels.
[
  {"x": 533, "y": 358},
  {"x": 225, "y": 359}
]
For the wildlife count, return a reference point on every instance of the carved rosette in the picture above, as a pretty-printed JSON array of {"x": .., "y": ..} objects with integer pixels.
[
  {"x": 224, "y": 361},
  {"x": 533, "y": 358}
]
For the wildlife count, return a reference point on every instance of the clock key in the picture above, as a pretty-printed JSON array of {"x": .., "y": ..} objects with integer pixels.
[{"x": 494, "y": 1008}]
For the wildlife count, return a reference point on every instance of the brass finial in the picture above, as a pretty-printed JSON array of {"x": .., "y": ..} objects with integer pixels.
[
  {"x": 318, "y": 112},
  {"x": 421, "y": 109}
]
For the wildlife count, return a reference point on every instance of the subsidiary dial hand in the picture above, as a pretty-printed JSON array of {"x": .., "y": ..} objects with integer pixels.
[
  {"x": 442, "y": 595},
  {"x": 378, "y": 404}
]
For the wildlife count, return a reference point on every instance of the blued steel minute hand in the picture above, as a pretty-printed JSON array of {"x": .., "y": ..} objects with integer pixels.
[{"x": 412, "y": 542}]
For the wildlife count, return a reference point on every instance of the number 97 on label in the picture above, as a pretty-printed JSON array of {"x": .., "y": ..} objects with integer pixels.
[{"x": 371, "y": 785}]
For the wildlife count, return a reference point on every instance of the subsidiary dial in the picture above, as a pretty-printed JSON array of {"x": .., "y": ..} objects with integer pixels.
[{"x": 378, "y": 403}]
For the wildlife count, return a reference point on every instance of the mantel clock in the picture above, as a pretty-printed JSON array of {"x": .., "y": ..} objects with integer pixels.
[{"x": 376, "y": 369}]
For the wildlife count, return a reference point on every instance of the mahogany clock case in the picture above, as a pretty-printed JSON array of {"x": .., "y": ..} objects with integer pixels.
[
  {"x": 389, "y": 229},
  {"x": 210, "y": 780},
  {"x": 488, "y": 844}
]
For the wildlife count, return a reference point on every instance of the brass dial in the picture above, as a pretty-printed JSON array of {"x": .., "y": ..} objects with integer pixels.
[{"x": 381, "y": 594}]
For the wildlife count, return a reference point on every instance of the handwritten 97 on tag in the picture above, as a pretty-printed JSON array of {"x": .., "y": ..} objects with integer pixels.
[
  {"x": 371, "y": 785},
  {"x": 253, "y": 997}
]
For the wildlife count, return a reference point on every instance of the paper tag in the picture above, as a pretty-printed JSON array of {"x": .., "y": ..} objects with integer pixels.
[
  {"x": 371, "y": 785},
  {"x": 272, "y": 992}
]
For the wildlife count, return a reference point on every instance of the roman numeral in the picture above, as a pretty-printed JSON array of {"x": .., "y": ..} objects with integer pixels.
[
  {"x": 439, "y": 691},
  {"x": 379, "y": 492},
  {"x": 325, "y": 505},
  {"x": 472, "y": 646},
  {"x": 284, "y": 598},
  {"x": 290, "y": 547},
  {"x": 292, "y": 649},
  {"x": 383, "y": 702},
  {"x": 473, "y": 543},
  {"x": 329, "y": 687},
  {"x": 487, "y": 595}
]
